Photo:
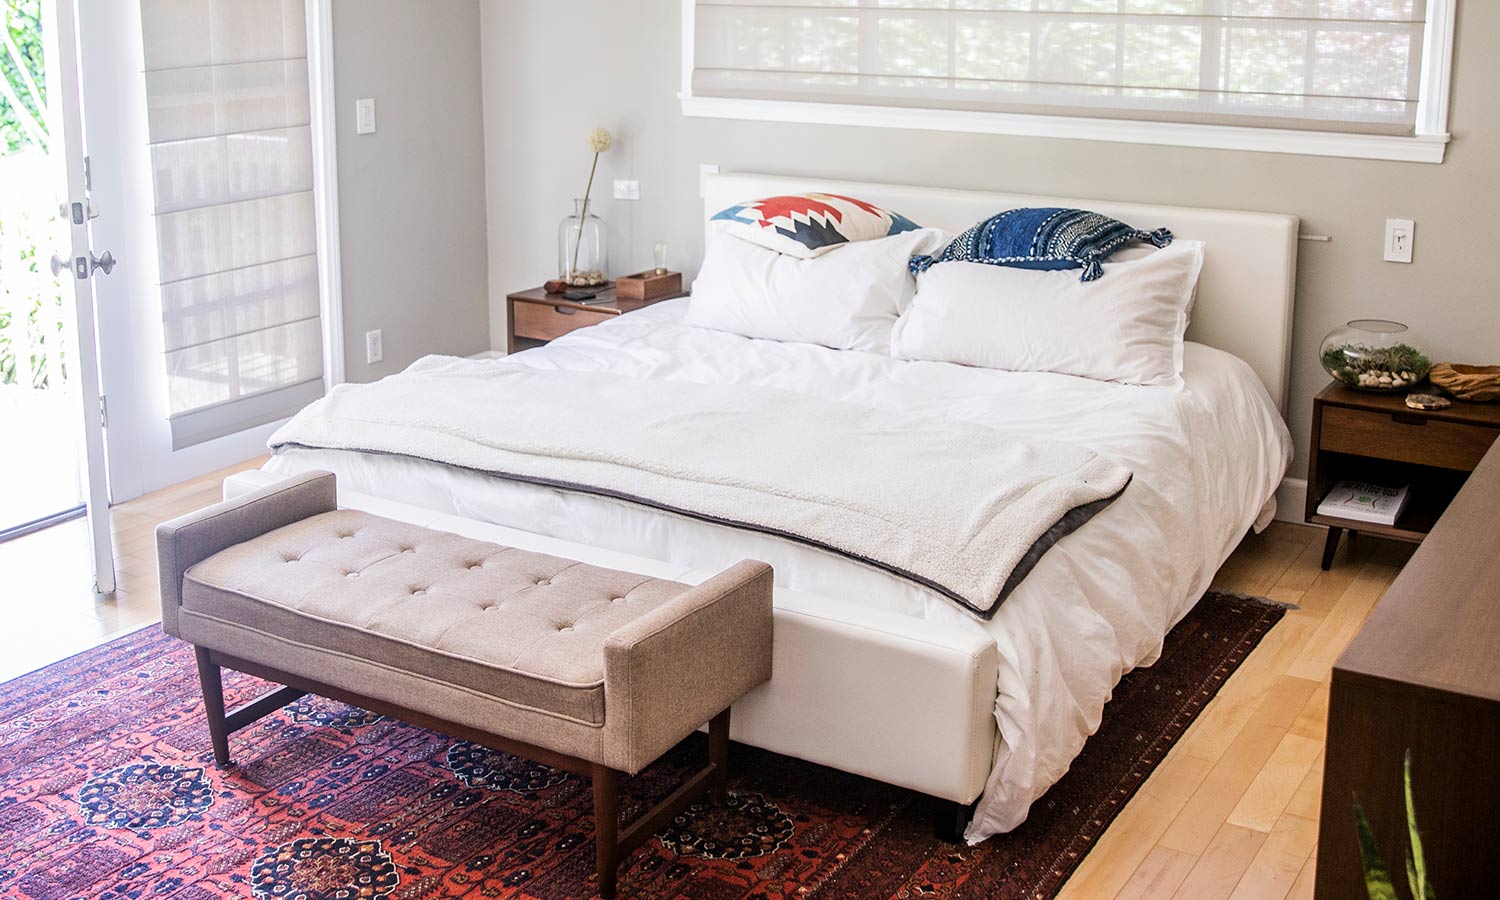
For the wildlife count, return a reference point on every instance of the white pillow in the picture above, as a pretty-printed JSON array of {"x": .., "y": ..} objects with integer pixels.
[
  {"x": 847, "y": 299},
  {"x": 1126, "y": 326}
]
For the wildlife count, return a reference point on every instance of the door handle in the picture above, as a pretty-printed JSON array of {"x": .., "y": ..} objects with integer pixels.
[{"x": 83, "y": 266}]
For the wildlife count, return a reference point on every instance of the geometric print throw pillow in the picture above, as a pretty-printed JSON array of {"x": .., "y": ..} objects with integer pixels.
[
  {"x": 809, "y": 225},
  {"x": 1043, "y": 238}
]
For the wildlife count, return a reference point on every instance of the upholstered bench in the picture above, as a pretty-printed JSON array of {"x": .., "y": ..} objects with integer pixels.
[{"x": 589, "y": 670}]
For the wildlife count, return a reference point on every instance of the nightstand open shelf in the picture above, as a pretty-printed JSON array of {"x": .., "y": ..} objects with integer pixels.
[{"x": 1373, "y": 437}]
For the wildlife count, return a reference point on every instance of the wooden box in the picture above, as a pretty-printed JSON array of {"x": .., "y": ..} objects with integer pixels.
[{"x": 648, "y": 285}]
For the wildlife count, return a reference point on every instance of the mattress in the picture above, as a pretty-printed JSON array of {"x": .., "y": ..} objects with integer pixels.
[{"x": 1206, "y": 460}]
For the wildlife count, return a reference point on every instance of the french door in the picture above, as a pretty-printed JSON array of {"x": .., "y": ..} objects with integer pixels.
[{"x": 213, "y": 169}]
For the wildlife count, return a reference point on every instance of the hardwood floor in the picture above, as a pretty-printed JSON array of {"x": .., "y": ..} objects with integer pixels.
[
  {"x": 48, "y": 605},
  {"x": 1231, "y": 813}
]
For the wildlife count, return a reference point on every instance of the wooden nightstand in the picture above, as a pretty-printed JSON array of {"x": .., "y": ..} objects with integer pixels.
[
  {"x": 1376, "y": 437},
  {"x": 536, "y": 317}
]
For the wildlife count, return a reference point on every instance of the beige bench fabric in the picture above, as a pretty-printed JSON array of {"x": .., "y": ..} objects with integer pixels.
[{"x": 608, "y": 666}]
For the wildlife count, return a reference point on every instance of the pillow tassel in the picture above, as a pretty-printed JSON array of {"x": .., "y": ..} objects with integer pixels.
[
  {"x": 920, "y": 264},
  {"x": 1161, "y": 237},
  {"x": 1093, "y": 269}
]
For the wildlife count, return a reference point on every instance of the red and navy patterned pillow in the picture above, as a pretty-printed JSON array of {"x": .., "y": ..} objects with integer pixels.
[
  {"x": 1043, "y": 238},
  {"x": 809, "y": 225}
]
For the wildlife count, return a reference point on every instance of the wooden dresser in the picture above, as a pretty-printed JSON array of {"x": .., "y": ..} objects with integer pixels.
[{"x": 1424, "y": 674}]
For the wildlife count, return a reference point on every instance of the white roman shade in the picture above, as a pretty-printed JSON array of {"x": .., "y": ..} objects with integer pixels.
[
  {"x": 231, "y": 149},
  {"x": 1341, "y": 65}
]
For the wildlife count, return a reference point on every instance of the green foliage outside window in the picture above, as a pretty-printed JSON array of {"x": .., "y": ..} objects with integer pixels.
[
  {"x": 31, "y": 302},
  {"x": 23, "y": 83}
]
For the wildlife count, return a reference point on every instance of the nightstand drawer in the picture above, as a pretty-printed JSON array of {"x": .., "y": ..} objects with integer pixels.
[
  {"x": 1404, "y": 438},
  {"x": 544, "y": 322}
]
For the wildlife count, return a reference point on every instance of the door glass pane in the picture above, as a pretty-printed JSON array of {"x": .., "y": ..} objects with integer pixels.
[{"x": 39, "y": 439}]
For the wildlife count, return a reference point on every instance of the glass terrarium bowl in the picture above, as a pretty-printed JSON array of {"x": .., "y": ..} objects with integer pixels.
[{"x": 1375, "y": 355}]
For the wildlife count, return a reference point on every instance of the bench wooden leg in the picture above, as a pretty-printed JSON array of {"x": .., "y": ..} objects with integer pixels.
[
  {"x": 606, "y": 827},
  {"x": 611, "y": 846},
  {"x": 213, "y": 705},
  {"x": 718, "y": 756}
]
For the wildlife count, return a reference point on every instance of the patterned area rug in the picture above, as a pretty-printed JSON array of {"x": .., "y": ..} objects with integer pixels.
[{"x": 108, "y": 790}]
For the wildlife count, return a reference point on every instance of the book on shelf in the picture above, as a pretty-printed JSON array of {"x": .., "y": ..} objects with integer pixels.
[{"x": 1365, "y": 502}]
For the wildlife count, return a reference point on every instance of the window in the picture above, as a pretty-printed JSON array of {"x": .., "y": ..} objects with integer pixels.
[
  {"x": 1350, "y": 77},
  {"x": 231, "y": 151}
]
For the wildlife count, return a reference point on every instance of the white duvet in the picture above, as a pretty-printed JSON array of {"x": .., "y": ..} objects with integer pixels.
[{"x": 1206, "y": 461}]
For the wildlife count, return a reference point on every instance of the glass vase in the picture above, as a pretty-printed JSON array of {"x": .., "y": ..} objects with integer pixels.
[
  {"x": 581, "y": 260},
  {"x": 1375, "y": 355}
]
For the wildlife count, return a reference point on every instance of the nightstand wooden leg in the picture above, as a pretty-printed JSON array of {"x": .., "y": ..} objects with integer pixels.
[{"x": 1330, "y": 547}]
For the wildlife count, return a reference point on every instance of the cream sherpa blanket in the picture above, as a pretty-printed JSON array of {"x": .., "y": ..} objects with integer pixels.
[{"x": 961, "y": 508}]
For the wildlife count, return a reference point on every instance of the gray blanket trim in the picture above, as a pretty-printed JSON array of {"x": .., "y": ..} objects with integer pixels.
[{"x": 1071, "y": 521}]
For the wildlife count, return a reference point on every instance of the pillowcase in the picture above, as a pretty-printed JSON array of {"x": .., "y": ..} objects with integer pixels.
[
  {"x": 1044, "y": 238},
  {"x": 1126, "y": 327},
  {"x": 809, "y": 225},
  {"x": 848, "y": 300}
]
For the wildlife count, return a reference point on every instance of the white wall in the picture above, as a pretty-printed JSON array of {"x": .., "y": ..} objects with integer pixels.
[
  {"x": 411, "y": 196},
  {"x": 553, "y": 71}
]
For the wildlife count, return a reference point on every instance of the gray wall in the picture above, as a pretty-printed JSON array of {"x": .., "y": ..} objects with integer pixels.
[
  {"x": 541, "y": 100},
  {"x": 411, "y": 196}
]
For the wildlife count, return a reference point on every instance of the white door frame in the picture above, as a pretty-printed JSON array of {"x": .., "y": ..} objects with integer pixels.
[
  {"x": 129, "y": 309},
  {"x": 326, "y": 186},
  {"x": 67, "y": 101}
]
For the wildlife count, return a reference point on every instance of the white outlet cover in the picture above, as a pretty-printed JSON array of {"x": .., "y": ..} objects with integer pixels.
[
  {"x": 364, "y": 116},
  {"x": 374, "y": 347},
  {"x": 627, "y": 189}
]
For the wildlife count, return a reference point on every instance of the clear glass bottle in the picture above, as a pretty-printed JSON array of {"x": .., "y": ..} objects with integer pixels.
[{"x": 581, "y": 259}]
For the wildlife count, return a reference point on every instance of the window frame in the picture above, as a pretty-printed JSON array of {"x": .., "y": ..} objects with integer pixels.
[{"x": 1427, "y": 145}]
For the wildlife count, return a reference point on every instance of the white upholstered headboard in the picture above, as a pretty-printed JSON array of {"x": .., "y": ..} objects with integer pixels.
[{"x": 1245, "y": 293}]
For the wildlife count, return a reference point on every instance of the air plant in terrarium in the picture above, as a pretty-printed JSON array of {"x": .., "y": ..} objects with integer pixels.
[{"x": 1375, "y": 355}]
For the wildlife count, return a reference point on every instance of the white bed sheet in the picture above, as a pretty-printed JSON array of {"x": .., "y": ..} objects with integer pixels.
[{"x": 1206, "y": 460}]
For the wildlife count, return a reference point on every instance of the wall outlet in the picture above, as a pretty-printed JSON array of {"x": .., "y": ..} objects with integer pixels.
[
  {"x": 364, "y": 116},
  {"x": 374, "y": 347},
  {"x": 627, "y": 189},
  {"x": 1400, "y": 234}
]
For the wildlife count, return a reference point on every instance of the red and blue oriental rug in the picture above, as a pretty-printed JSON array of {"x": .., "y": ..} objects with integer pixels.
[{"x": 108, "y": 790}]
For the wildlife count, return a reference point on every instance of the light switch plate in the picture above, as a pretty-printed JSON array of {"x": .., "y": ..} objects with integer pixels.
[
  {"x": 374, "y": 347},
  {"x": 1400, "y": 234},
  {"x": 364, "y": 116},
  {"x": 627, "y": 189}
]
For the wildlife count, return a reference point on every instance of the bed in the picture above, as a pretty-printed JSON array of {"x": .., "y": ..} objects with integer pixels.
[{"x": 874, "y": 673}]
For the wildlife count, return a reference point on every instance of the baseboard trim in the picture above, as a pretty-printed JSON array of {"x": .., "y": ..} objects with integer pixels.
[{"x": 1291, "y": 500}]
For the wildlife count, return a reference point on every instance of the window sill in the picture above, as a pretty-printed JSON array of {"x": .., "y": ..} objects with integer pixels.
[{"x": 1424, "y": 148}]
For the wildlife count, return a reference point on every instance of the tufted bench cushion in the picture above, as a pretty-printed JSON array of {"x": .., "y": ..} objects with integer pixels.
[{"x": 524, "y": 627}]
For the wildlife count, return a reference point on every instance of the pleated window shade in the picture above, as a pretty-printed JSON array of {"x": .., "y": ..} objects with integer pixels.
[
  {"x": 231, "y": 151},
  {"x": 1344, "y": 65}
]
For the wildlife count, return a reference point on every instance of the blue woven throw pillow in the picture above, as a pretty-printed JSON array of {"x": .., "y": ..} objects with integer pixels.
[{"x": 1046, "y": 238}]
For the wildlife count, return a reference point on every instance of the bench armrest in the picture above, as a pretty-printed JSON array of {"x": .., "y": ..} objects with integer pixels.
[
  {"x": 692, "y": 657},
  {"x": 190, "y": 539}
]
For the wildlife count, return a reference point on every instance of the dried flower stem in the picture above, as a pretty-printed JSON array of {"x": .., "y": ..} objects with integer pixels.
[{"x": 583, "y": 215}]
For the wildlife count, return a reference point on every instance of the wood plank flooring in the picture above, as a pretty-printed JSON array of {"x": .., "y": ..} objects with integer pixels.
[{"x": 1230, "y": 813}]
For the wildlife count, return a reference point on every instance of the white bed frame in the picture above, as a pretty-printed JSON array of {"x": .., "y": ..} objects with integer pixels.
[{"x": 898, "y": 699}]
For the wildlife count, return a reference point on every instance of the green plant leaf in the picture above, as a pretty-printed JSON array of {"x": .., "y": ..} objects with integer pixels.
[
  {"x": 1416, "y": 864},
  {"x": 1377, "y": 876}
]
